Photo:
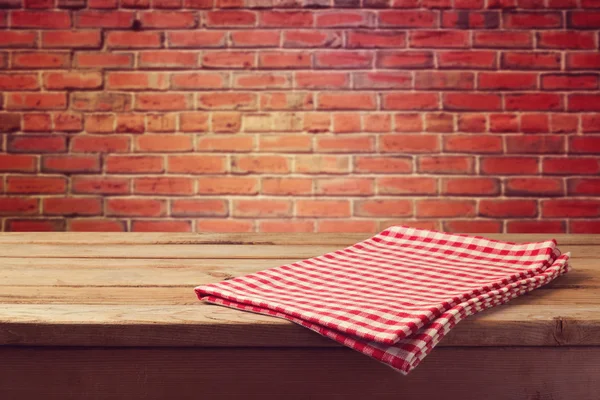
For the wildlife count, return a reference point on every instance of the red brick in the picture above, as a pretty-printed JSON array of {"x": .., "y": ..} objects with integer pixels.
[
  {"x": 446, "y": 164},
  {"x": 287, "y": 186},
  {"x": 100, "y": 144},
  {"x": 36, "y": 101},
  {"x": 135, "y": 3},
  {"x": 279, "y": 101},
  {"x": 538, "y": 144},
  {"x": 104, "y": 19},
  {"x": 472, "y": 20},
  {"x": 37, "y": 122},
  {"x": 285, "y": 225},
  {"x": 532, "y": 226},
  {"x": 564, "y": 123},
  {"x": 125, "y": 164},
  {"x": 409, "y": 143},
  {"x": 131, "y": 207},
  {"x": 531, "y": 60},
  {"x": 130, "y": 123},
  {"x": 40, "y": 19},
  {"x": 228, "y": 101},
  {"x": 472, "y": 101},
  {"x": 161, "y": 226},
  {"x": 260, "y": 164},
  {"x": 439, "y": 39},
  {"x": 198, "y": 80},
  {"x": 225, "y": 144},
  {"x": 503, "y": 4},
  {"x": 89, "y": 39},
  {"x": 408, "y": 19},
  {"x": 133, "y": 40},
  {"x": 10, "y": 122},
  {"x": 35, "y": 185},
  {"x": 506, "y": 81},
  {"x": 472, "y": 123},
  {"x": 584, "y": 227},
  {"x": 410, "y": 101},
  {"x": 264, "y": 80},
  {"x": 504, "y": 123},
  {"x": 67, "y": 122},
  {"x": 36, "y": 144},
  {"x": 358, "y": 144},
  {"x": 286, "y": 19},
  {"x": 569, "y": 81},
  {"x": 322, "y": 164},
  {"x": 503, "y": 40},
  {"x": 323, "y": 208},
  {"x": 311, "y": 38},
  {"x": 35, "y": 225},
  {"x": 18, "y": 39},
  {"x": 136, "y": 81},
  {"x": 404, "y": 59},
  {"x": 584, "y": 102},
  {"x": 163, "y": 143},
  {"x": 321, "y": 80},
  {"x": 344, "y": 186},
  {"x": 376, "y": 39},
  {"x": 317, "y": 122},
  {"x": 533, "y": 102},
  {"x": 168, "y": 20},
  {"x": 196, "y": 39},
  {"x": 472, "y": 144},
  {"x": 228, "y": 185},
  {"x": 199, "y": 208},
  {"x": 101, "y": 101},
  {"x": 583, "y": 186},
  {"x": 439, "y": 122},
  {"x": 473, "y": 226},
  {"x": 72, "y": 206},
  {"x": 532, "y": 20},
  {"x": 583, "y": 19},
  {"x": 573, "y": 4},
  {"x": 407, "y": 186},
  {"x": 470, "y": 186},
  {"x": 102, "y": 4},
  {"x": 535, "y": 123},
  {"x": 163, "y": 186},
  {"x": 537, "y": 187},
  {"x": 355, "y": 226},
  {"x": 163, "y": 101},
  {"x": 377, "y": 123},
  {"x": 71, "y": 163},
  {"x": 466, "y": 59},
  {"x": 443, "y": 80},
  {"x": 256, "y": 38},
  {"x": 346, "y": 19},
  {"x": 445, "y": 208},
  {"x": 284, "y": 60},
  {"x": 295, "y": 143},
  {"x": 18, "y": 163},
  {"x": 590, "y": 123},
  {"x": 166, "y": 4},
  {"x": 167, "y": 59},
  {"x": 234, "y": 19},
  {"x": 346, "y": 101},
  {"x": 99, "y": 185},
  {"x": 229, "y": 59},
  {"x": 261, "y": 208},
  {"x": 224, "y": 122},
  {"x": 408, "y": 122},
  {"x": 161, "y": 122},
  {"x": 584, "y": 145},
  {"x": 13, "y": 206},
  {"x": 437, "y": 3},
  {"x": 508, "y": 208},
  {"x": 344, "y": 60},
  {"x": 72, "y": 80},
  {"x": 469, "y": 4},
  {"x": 196, "y": 164},
  {"x": 570, "y": 208},
  {"x": 198, "y": 4},
  {"x": 570, "y": 166},
  {"x": 566, "y": 40},
  {"x": 224, "y": 225},
  {"x": 103, "y": 60}
]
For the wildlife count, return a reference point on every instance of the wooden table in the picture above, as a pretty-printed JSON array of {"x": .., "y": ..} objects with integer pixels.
[{"x": 104, "y": 315}]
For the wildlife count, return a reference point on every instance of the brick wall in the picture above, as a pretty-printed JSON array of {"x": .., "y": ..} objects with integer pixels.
[{"x": 300, "y": 115}]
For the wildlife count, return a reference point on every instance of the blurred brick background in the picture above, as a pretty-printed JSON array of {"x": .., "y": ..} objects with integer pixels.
[{"x": 300, "y": 115}]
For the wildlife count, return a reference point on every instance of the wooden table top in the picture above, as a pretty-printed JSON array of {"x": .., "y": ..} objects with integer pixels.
[{"x": 136, "y": 289}]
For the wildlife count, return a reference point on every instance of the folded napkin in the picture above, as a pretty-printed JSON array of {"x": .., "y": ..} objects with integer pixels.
[{"x": 394, "y": 296}]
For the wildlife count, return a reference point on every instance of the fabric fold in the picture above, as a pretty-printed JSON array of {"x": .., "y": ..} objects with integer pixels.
[{"x": 395, "y": 295}]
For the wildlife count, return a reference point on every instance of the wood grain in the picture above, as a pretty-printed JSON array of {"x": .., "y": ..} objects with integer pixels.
[
  {"x": 333, "y": 373},
  {"x": 339, "y": 239},
  {"x": 186, "y": 251}
]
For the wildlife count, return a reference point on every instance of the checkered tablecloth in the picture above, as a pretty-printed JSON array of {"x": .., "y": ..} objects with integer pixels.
[{"x": 394, "y": 296}]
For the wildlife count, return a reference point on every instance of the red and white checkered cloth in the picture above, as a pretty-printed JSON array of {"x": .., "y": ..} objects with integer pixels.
[{"x": 394, "y": 296}]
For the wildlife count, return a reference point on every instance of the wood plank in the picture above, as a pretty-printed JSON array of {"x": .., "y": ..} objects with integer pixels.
[
  {"x": 184, "y": 295},
  {"x": 336, "y": 373},
  {"x": 179, "y": 251},
  {"x": 185, "y": 272},
  {"x": 209, "y": 326},
  {"x": 337, "y": 239}
]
